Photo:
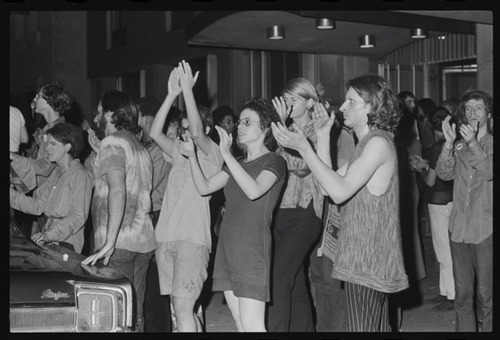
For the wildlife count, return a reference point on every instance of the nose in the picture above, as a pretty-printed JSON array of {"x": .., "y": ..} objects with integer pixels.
[{"x": 343, "y": 107}]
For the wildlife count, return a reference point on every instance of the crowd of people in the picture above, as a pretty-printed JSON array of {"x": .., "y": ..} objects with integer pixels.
[{"x": 304, "y": 209}]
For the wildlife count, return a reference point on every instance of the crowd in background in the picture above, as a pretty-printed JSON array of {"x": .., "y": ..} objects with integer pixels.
[{"x": 308, "y": 217}]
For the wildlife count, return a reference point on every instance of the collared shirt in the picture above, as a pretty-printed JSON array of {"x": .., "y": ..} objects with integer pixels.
[
  {"x": 65, "y": 199},
  {"x": 471, "y": 219},
  {"x": 301, "y": 186}
]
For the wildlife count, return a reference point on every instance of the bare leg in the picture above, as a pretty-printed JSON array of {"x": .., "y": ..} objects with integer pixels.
[
  {"x": 234, "y": 306},
  {"x": 185, "y": 315},
  {"x": 252, "y": 315}
]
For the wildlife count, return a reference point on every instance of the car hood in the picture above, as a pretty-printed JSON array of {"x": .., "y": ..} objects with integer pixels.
[{"x": 25, "y": 255}]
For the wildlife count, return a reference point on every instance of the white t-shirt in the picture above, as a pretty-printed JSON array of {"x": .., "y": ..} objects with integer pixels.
[
  {"x": 185, "y": 214},
  {"x": 16, "y": 124}
]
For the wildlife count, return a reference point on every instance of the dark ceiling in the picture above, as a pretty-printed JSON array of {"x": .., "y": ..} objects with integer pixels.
[{"x": 247, "y": 29}]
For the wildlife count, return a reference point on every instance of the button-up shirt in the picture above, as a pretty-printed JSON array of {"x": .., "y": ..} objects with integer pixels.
[
  {"x": 471, "y": 168},
  {"x": 65, "y": 199}
]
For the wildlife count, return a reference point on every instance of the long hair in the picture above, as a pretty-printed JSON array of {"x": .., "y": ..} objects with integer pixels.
[
  {"x": 375, "y": 90},
  {"x": 124, "y": 110},
  {"x": 267, "y": 115}
]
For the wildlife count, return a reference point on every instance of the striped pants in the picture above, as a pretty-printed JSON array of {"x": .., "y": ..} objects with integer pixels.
[{"x": 366, "y": 309}]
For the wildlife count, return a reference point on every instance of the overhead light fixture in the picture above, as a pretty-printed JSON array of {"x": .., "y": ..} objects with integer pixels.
[
  {"x": 418, "y": 33},
  {"x": 325, "y": 23},
  {"x": 276, "y": 32},
  {"x": 441, "y": 37},
  {"x": 367, "y": 41}
]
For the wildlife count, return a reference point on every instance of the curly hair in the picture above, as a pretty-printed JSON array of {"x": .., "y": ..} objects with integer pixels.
[
  {"x": 68, "y": 134},
  {"x": 56, "y": 96},
  {"x": 222, "y": 112},
  {"x": 124, "y": 110},
  {"x": 476, "y": 95},
  {"x": 376, "y": 91},
  {"x": 267, "y": 115}
]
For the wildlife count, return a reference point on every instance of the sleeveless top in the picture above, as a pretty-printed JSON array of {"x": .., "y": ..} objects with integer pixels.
[{"x": 370, "y": 247}]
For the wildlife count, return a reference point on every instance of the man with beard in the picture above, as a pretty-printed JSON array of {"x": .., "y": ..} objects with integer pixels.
[{"x": 123, "y": 171}]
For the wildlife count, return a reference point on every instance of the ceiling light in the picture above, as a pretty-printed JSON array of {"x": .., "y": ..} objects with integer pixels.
[
  {"x": 276, "y": 32},
  {"x": 325, "y": 23},
  {"x": 367, "y": 41},
  {"x": 418, "y": 33},
  {"x": 441, "y": 37}
]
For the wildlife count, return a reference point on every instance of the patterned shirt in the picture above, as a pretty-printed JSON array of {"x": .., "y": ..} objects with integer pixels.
[
  {"x": 122, "y": 151},
  {"x": 301, "y": 186},
  {"x": 471, "y": 219}
]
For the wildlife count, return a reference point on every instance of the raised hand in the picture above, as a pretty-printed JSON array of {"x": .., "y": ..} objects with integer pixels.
[
  {"x": 226, "y": 140},
  {"x": 449, "y": 132},
  {"x": 186, "y": 148},
  {"x": 469, "y": 132},
  {"x": 94, "y": 142},
  {"x": 187, "y": 80},
  {"x": 281, "y": 107},
  {"x": 322, "y": 123},
  {"x": 174, "y": 87},
  {"x": 287, "y": 138}
]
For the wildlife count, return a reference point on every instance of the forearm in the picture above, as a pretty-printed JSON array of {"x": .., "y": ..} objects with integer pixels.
[
  {"x": 116, "y": 209},
  {"x": 247, "y": 183},
  {"x": 195, "y": 123},
  {"x": 483, "y": 161},
  {"x": 324, "y": 150},
  {"x": 161, "y": 117},
  {"x": 200, "y": 181},
  {"x": 329, "y": 180},
  {"x": 445, "y": 166},
  {"x": 26, "y": 204}
]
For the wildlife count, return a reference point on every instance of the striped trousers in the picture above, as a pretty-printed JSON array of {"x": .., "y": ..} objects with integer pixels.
[{"x": 366, "y": 309}]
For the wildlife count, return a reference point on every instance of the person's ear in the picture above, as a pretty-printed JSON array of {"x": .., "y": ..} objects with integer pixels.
[
  {"x": 67, "y": 147},
  {"x": 309, "y": 103}
]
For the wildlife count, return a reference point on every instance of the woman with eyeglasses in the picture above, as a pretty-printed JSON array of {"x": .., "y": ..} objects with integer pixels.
[
  {"x": 297, "y": 227},
  {"x": 252, "y": 186}
]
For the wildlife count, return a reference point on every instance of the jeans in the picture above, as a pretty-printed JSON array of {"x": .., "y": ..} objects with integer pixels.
[
  {"x": 469, "y": 261},
  {"x": 135, "y": 267},
  {"x": 440, "y": 216},
  {"x": 329, "y": 296},
  {"x": 295, "y": 233}
]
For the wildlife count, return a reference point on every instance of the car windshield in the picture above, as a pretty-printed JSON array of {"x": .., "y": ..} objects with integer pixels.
[{"x": 27, "y": 255}]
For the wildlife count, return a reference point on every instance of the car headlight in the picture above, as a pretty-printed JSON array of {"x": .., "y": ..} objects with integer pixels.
[{"x": 103, "y": 308}]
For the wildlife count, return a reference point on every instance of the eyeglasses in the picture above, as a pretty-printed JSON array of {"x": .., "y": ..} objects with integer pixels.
[{"x": 246, "y": 122}]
